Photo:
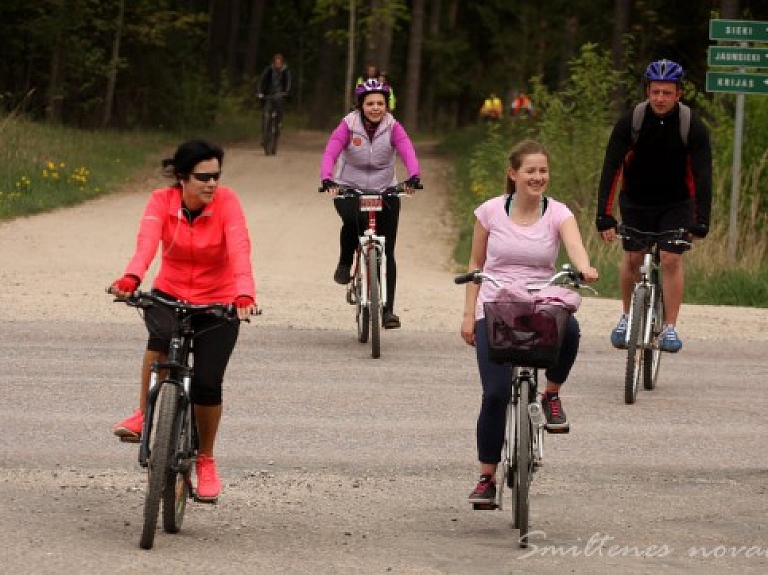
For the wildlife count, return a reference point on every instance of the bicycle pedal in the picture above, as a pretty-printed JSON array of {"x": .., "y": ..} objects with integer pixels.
[
  {"x": 484, "y": 506},
  {"x": 206, "y": 500},
  {"x": 557, "y": 430},
  {"x": 130, "y": 439}
]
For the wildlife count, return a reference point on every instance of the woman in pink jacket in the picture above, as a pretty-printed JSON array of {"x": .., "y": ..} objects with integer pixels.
[
  {"x": 367, "y": 141},
  {"x": 206, "y": 258}
]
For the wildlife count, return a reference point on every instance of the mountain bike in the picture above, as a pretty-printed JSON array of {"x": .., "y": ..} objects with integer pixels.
[
  {"x": 646, "y": 313},
  {"x": 528, "y": 336},
  {"x": 169, "y": 442},
  {"x": 367, "y": 290},
  {"x": 270, "y": 123}
]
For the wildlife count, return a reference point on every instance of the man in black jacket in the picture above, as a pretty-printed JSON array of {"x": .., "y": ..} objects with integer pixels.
[
  {"x": 664, "y": 168},
  {"x": 274, "y": 85}
]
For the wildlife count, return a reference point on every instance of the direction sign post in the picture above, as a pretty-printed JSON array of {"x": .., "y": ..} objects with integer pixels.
[{"x": 738, "y": 82}]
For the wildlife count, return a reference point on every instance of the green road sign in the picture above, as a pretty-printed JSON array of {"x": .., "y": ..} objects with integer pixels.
[
  {"x": 737, "y": 56},
  {"x": 747, "y": 83},
  {"x": 744, "y": 30}
]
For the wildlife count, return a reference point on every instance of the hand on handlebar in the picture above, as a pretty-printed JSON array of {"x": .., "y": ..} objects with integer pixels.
[
  {"x": 331, "y": 188},
  {"x": 124, "y": 287},
  {"x": 411, "y": 185},
  {"x": 245, "y": 307}
]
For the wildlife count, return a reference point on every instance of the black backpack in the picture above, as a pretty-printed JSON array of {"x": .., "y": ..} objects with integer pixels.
[{"x": 639, "y": 113}]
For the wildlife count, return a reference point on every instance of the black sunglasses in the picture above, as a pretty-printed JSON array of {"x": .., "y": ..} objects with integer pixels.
[{"x": 206, "y": 176}]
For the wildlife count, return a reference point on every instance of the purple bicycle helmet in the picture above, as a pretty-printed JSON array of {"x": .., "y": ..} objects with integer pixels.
[
  {"x": 664, "y": 71},
  {"x": 371, "y": 86}
]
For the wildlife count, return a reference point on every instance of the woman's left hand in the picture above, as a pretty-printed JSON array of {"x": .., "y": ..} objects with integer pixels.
[
  {"x": 245, "y": 307},
  {"x": 590, "y": 274},
  {"x": 468, "y": 329}
]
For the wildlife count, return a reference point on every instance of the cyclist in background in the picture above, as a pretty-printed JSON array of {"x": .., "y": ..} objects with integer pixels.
[
  {"x": 206, "y": 252},
  {"x": 516, "y": 239},
  {"x": 391, "y": 101},
  {"x": 666, "y": 184},
  {"x": 492, "y": 108},
  {"x": 366, "y": 142},
  {"x": 275, "y": 82},
  {"x": 521, "y": 106}
]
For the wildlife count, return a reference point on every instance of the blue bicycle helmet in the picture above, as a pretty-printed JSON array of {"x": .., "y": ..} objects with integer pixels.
[
  {"x": 664, "y": 71},
  {"x": 371, "y": 86}
]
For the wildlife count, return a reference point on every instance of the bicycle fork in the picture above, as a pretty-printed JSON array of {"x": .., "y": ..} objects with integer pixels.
[{"x": 368, "y": 242}]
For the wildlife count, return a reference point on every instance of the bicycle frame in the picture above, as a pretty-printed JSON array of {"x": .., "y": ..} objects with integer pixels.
[
  {"x": 651, "y": 280},
  {"x": 368, "y": 241}
]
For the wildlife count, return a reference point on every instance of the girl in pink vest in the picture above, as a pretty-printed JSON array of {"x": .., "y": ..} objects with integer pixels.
[{"x": 365, "y": 145}]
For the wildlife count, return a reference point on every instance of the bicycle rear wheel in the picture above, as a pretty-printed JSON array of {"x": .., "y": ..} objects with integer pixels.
[
  {"x": 652, "y": 355},
  {"x": 272, "y": 139},
  {"x": 635, "y": 351},
  {"x": 178, "y": 488},
  {"x": 523, "y": 463},
  {"x": 374, "y": 302},
  {"x": 159, "y": 462}
]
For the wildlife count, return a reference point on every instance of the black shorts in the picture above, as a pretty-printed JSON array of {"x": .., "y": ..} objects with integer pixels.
[{"x": 656, "y": 219}]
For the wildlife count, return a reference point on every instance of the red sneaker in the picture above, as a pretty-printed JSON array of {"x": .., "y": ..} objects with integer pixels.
[
  {"x": 208, "y": 482},
  {"x": 130, "y": 428}
]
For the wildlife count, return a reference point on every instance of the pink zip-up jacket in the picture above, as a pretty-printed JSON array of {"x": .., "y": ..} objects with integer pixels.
[
  {"x": 367, "y": 164},
  {"x": 206, "y": 261}
]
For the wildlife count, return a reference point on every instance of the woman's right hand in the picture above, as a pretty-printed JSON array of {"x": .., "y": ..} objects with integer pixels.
[
  {"x": 331, "y": 188},
  {"x": 468, "y": 329},
  {"x": 125, "y": 286}
]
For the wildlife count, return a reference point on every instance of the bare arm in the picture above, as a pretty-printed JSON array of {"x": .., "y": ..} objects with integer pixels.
[
  {"x": 577, "y": 253},
  {"x": 476, "y": 262}
]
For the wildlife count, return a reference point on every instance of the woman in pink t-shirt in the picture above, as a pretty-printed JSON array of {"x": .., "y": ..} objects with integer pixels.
[{"x": 517, "y": 237}]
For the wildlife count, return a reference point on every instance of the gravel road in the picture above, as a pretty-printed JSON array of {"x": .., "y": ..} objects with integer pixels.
[{"x": 333, "y": 462}]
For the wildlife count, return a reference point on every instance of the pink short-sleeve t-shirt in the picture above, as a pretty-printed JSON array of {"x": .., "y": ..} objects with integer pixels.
[{"x": 518, "y": 253}]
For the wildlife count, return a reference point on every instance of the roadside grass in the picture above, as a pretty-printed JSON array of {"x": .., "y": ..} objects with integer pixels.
[{"x": 44, "y": 167}]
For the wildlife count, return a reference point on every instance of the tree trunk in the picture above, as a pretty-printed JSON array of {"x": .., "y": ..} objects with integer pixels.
[
  {"x": 621, "y": 13},
  {"x": 410, "y": 117},
  {"x": 254, "y": 31},
  {"x": 233, "y": 69},
  {"x": 729, "y": 9},
  {"x": 324, "y": 87},
  {"x": 112, "y": 74},
  {"x": 55, "y": 98},
  {"x": 218, "y": 28}
]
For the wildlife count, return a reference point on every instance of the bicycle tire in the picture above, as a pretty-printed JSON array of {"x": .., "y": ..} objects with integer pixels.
[
  {"x": 652, "y": 355},
  {"x": 272, "y": 140},
  {"x": 362, "y": 317},
  {"x": 374, "y": 302},
  {"x": 159, "y": 462},
  {"x": 178, "y": 487},
  {"x": 523, "y": 463},
  {"x": 635, "y": 351}
]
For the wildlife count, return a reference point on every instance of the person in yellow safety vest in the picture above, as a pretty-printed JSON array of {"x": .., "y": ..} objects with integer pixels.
[
  {"x": 384, "y": 79},
  {"x": 492, "y": 108}
]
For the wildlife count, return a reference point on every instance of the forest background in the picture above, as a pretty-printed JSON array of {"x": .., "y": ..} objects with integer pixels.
[{"x": 88, "y": 87}]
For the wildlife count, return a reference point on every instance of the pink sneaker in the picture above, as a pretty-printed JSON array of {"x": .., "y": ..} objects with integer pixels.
[
  {"x": 208, "y": 482},
  {"x": 130, "y": 428}
]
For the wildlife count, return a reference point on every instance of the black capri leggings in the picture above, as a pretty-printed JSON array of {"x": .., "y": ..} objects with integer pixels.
[
  {"x": 212, "y": 346},
  {"x": 355, "y": 222}
]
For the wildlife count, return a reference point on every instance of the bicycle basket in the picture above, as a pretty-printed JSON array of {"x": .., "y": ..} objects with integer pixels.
[{"x": 525, "y": 333}]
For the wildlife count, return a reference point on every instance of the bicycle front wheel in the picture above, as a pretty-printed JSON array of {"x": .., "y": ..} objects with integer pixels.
[
  {"x": 523, "y": 463},
  {"x": 374, "y": 302},
  {"x": 178, "y": 487},
  {"x": 635, "y": 351},
  {"x": 159, "y": 462},
  {"x": 362, "y": 317},
  {"x": 652, "y": 355}
]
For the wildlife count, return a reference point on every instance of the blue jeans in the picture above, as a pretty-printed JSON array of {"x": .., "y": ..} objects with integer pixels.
[{"x": 496, "y": 380}]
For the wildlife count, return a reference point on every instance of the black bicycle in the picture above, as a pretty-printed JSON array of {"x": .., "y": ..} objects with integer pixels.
[
  {"x": 527, "y": 335},
  {"x": 169, "y": 442},
  {"x": 646, "y": 312},
  {"x": 270, "y": 123}
]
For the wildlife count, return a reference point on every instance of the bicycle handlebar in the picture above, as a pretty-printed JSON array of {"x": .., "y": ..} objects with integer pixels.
[
  {"x": 350, "y": 192},
  {"x": 567, "y": 276},
  {"x": 143, "y": 300},
  {"x": 677, "y": 237}
]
